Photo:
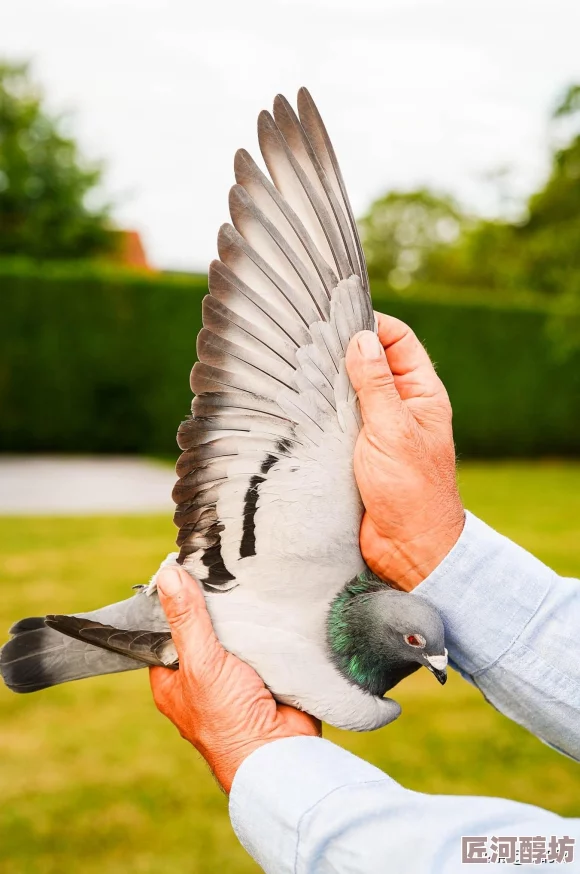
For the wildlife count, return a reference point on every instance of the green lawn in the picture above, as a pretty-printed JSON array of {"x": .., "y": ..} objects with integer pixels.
[{"x": 94, "y": 780}]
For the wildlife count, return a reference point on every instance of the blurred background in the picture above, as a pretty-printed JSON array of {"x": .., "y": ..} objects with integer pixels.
[{"x": 457, "y": 126}]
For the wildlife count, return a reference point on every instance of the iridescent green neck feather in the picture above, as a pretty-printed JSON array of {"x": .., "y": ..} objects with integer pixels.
[{"x": 358, "y": 635}]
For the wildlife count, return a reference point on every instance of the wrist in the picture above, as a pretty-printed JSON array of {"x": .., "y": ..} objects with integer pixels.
[
  {"x": 226, "y": 759},
  {"x": 225, "y": 764},
  {"x": 410, "y": 559}
]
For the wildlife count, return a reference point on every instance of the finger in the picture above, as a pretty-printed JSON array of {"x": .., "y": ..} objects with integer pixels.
[
  {"x": 372, "y": 380},
  {"x": 189, "y": 621},
  {"x": 408, "y": 360}
]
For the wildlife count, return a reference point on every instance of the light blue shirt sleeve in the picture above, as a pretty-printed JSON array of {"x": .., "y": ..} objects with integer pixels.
[
  {"x": 512, "y": 627},
  {"x": 305, "y": 806}
]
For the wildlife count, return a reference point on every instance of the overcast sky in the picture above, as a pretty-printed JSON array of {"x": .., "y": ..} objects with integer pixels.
[{"x": 437, "y": 92}]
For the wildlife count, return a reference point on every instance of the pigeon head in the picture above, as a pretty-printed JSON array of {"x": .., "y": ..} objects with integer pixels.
[{"x": 377, "y": 635}]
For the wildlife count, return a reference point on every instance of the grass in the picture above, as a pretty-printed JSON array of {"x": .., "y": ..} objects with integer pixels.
[{"x": 93, "y": 779}]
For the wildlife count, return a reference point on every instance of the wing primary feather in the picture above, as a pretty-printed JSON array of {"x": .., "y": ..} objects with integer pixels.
[
  {"x": 296, "y": 137},
  {"x": 214, "y": 349},
  {"x": 259, "y": 187},
  {"x": 234, "y": 250},
  {"x": 208, "y": 377},
  {"x": 219, "y": 318},
  {"x": 248, "y": 219},
  {"x": 205, "y": 405},
  {"x": 233, "y": 291},
  {"x": 286, "y": 171},
  {"x": 318, "y": 136}
]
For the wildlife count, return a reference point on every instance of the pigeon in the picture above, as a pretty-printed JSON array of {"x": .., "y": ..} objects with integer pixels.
[{"x": 267, "y": 505}]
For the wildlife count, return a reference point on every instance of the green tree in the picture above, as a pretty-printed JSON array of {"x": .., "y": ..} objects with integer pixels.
[
  {"x": 423, "y": 237},
  {"x": 550, "y": 236},
  {"x": 410, "y": 236},
  {"x": 44, "y": 182}
]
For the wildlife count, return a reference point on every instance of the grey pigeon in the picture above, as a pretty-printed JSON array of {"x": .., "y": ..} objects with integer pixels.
[{"x": 267, "y": 505}]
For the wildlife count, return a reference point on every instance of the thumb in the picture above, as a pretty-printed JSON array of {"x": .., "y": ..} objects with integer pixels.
[
  {"x": 184, "y": 606},
  {"x": 372, "y": 380}
]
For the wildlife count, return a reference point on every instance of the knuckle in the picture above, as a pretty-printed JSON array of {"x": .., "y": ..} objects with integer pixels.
[
  {"x": 379, "y": 379},
  {"x": 181, "y": 614},
  {"x": 211, "y": 665},
  {"x": 180, "y": 619}
]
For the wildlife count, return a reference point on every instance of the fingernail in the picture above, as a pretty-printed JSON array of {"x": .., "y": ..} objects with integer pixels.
[
  {"x": 169, "y": 582},
  {"x": 370, "y": 346}
]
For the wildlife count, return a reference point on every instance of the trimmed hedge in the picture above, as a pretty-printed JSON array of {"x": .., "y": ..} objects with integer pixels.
[{"x": 94, "y": 360}]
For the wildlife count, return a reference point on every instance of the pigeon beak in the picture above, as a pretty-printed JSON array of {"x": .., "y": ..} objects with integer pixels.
[
  {"x": 438, "y": 666},
  {"x": 440, "y": 675}
]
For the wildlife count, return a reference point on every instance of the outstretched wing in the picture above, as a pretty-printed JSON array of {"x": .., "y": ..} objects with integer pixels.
[{"x": 274, "y": 412}]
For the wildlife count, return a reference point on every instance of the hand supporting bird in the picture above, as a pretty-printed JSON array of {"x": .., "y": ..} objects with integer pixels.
[
  {"x": 405, "y": 469},
  {"x": 217, "y": 702},
  {"x": 404, "y": 459}
]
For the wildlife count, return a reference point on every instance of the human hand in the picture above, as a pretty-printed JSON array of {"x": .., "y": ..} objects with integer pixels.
[
  {"x": 404, "y": 459},
  {"x": 217, "y": 702}
]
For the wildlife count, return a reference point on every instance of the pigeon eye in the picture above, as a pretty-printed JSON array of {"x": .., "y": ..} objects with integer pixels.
[{"x": 415, "y": 640}]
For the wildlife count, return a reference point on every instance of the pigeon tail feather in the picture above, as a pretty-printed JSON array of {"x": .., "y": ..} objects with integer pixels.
[
  {"x": 42, "y": 657},
  {"x": 48, "y": 650}
]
